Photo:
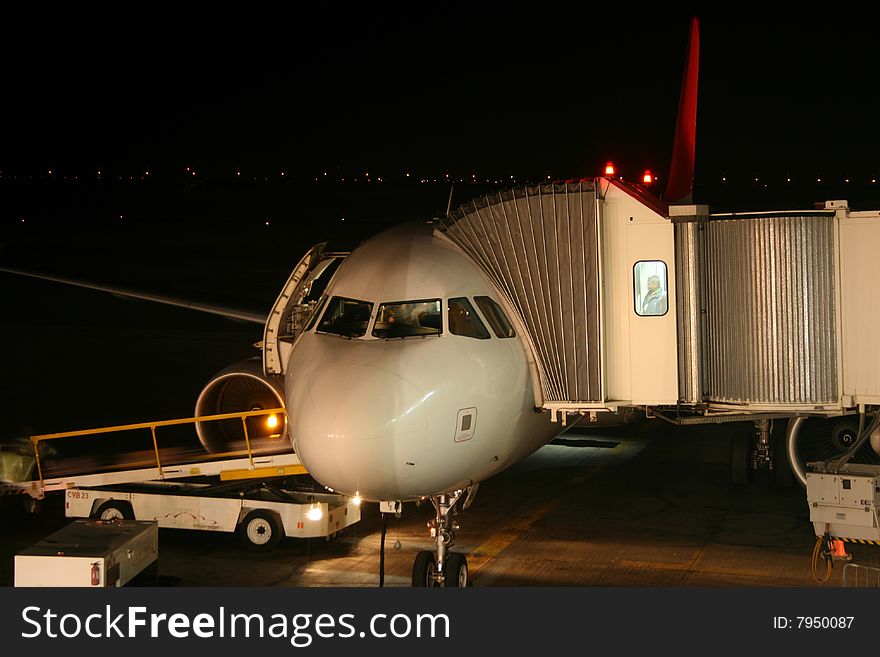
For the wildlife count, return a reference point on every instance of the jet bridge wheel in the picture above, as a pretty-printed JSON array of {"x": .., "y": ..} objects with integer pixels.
[
  {"x": 740, "y": 455},
  {"x": 260, "y": 530}
]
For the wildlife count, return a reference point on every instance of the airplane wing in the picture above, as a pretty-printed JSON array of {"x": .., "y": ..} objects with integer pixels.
[{"x": 229, "y": 313}]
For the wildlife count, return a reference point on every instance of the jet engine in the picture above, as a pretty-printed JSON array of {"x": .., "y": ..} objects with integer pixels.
[{"x": 238, "y": 388}]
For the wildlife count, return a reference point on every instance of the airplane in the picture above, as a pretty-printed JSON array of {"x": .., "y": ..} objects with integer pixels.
[
  {"x": 424, "y": 362},
  {"x": 406, "y": 372}
]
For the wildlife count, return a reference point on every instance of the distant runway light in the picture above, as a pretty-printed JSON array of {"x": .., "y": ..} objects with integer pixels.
[
  {"x": 647, "y": 178},
  {"x": 818, "y": 180},
  {"x": 609, "y": 169},
  {"x": 146, "y": 173},
  {"x": 788, "y": 180},
  {"x": 267, "y": 223}
]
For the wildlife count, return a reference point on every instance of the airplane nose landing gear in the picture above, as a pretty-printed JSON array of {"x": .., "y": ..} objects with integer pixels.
[{"x": 442, "y": 567}]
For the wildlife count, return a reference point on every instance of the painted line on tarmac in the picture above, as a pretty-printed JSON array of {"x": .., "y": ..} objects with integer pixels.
[{"x": 689, "y": 567}]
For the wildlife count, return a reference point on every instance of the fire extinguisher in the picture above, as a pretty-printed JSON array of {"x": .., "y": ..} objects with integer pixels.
[{"x": 96, "y": 574}]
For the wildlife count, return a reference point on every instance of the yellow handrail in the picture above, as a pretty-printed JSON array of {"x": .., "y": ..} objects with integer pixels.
[{"x": 152, "y": 426}]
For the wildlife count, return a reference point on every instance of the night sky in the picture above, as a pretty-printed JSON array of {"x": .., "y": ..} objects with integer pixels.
[{"x": 555, "y": 90}]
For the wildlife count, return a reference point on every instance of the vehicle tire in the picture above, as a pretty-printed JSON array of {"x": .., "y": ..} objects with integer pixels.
[
  {"x": 423, "y": 569},
  {"x": 260, "y": 530},
  {"x": 114, "y": 509},
  {"x": 740, "y": 454},
  {"x": 456, "y": 575}
]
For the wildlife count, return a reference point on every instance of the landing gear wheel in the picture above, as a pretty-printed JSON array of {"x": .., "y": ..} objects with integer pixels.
[
  {"x": 260, "y": 531},
  {"x": 456, "y": 572},
  {"x": 740, "y": 455},
  {"x": 423, "y": 570},
  {"x": 114, "y": 510}
]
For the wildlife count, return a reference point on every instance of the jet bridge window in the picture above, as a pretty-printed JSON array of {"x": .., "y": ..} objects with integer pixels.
[
  {"x": 346, "y": 317},
  {"x": 649, "y": 288},
  {"x": 405, "y": 319},
  {"x": 496, "y": 317},
  {"x": 463, "y": 320}
]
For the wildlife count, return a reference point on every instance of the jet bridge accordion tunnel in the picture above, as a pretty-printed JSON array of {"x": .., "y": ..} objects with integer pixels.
[
  {"x": 540, "y": 247},
  {"x": 768, "y": 313}
]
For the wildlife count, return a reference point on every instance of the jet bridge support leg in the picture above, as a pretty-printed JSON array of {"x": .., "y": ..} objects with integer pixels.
[{"x": 442, "y": 567}]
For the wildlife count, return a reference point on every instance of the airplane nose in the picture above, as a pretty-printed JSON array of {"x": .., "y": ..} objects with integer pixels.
[{"x": 356, "y": 428}]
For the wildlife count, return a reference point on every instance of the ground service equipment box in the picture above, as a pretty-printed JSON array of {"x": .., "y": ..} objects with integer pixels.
[{"x": 90, "y": 553}]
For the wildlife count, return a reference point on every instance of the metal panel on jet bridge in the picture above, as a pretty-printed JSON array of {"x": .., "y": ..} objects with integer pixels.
[
  {"x": 690, "y": 267},
  {"x": 772, "y": 317},
  {"x": 540, "y": 246}
]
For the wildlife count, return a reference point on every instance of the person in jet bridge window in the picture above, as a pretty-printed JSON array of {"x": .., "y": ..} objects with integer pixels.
[{"x": 654, "y": 302}]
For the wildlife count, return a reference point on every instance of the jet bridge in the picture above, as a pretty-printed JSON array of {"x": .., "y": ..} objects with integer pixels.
[
  {"x": 563, "y": 255},
  {"x": 629, "y": 302}
]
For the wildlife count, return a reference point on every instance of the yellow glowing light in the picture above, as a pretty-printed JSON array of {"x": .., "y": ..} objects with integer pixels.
[
  {"x": 314, "y": 514},
  {"x": 272, "y": 420},
  {"x": 356, "y": 500}
]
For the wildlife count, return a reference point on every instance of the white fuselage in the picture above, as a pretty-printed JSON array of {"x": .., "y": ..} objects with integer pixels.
[{"x": 383, "y": 418}]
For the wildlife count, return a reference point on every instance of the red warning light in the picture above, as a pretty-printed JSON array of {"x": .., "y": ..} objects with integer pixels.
[
  {"x": 609, "y": 169},
  {"x": 648, "y": 178}
]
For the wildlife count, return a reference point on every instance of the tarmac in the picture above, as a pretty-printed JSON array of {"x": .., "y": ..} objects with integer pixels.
[{"x": 647, "y": 505}]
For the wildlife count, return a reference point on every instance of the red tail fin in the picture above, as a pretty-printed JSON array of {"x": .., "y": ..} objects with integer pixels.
[{"x": 680, "y": 187}]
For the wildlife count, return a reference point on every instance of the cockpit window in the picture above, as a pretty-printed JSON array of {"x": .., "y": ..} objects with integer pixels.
[
  {"x": 496, "y": 317},
  {"x": 463, "y": 320},
  {"x": 406, "y": 319},
  {"x": 346, "y": 317}
]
